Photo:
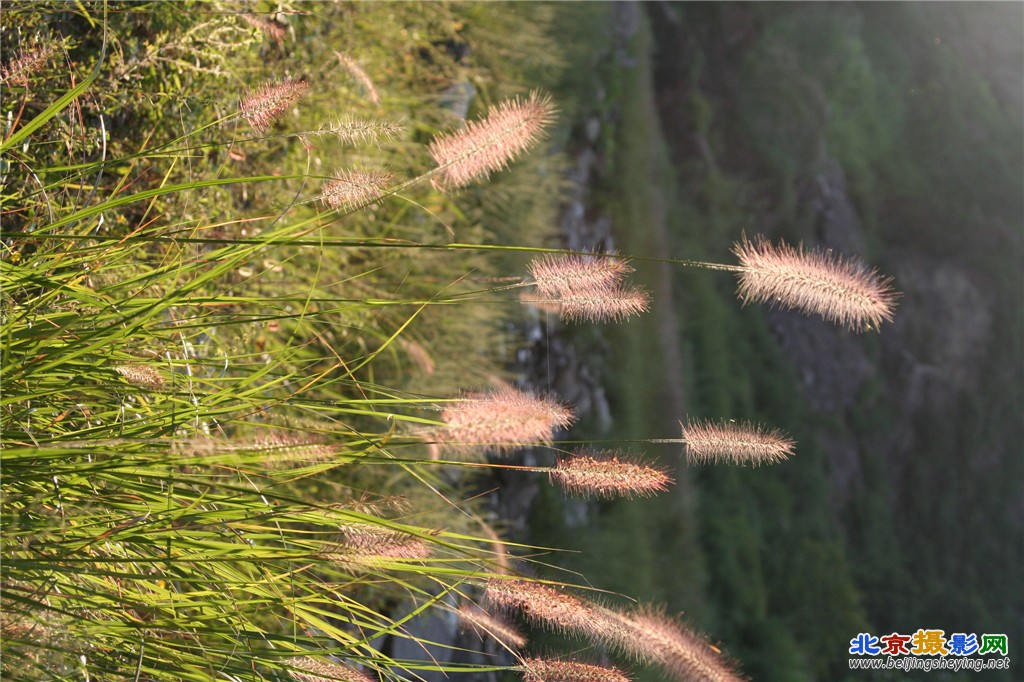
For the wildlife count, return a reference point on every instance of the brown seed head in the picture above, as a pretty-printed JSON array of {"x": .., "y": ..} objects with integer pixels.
[
  {"x": 556, "y": 670},
  {"x": 608, "y": 474},
  {"x": 486, "y": 146},
  {"x": 613, "y": 304},
  {"x": 484, "y": 624},
  {"x": 503, "y": 419},
  {"x": 557, "y": 275},
  {"x": 842, "y": 291},
  {"x": 355, "y": 188},
  {"x": 309, "y": 669},
  {"x": 742, "y": 443},
  {"x": 265, "y": 103}
]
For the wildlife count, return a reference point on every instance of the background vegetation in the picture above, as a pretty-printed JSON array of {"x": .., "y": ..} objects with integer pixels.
[{"x": 892, "y": 515}]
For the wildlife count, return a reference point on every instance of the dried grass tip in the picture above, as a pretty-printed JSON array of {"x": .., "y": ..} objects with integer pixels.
[
  {"x": 355, "y": 188},
  {"x": 560, "y": 670},
  {"x": 488, "y": 145},
  {"x": 360, "y": 75},
  {"x": 29, "y": 60},
  {"x": 309, "y": 669},
  {"x": 265, "y": 103},
  {"x": 842, "y": 291},
  {"x": 740, "y": 443},
  {"x": 474, "y": 618},
  {"x": 273, "y": 29},
  {"x": 503, "y": 419},
  {"x": 609, "y": 474}
]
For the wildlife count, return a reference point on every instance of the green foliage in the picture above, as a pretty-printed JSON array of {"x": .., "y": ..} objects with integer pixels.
[{"x": 218, "y": 396}]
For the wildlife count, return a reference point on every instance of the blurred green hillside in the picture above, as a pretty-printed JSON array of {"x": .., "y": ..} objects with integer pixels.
[{"x": 888, "y": 131}]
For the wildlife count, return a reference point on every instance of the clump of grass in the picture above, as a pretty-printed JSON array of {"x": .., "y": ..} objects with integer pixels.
[
  {"x": 272, "y": 28},
  {"x": 146, "y": 376},
  {"x": 557, "y": 275},
  {"x": 613, "y": 304},
  {"x": 350, "y": 129},
  {"x": 368, "y": 544}
]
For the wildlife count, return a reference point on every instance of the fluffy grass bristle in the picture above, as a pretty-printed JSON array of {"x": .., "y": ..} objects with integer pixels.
[
  {"x": 143, "y": 376},
  {"x": 369, "y": 545},
  {"x": 842, "y": 291},
  {"x": 474, "y": 618},
  {"x": 355, "y": 188},
  {"x": 488, "y": 145},
  {"x": 681, "y": 652},
  {"x": 613, "y": 304},
  {"x": 20, "y": 69},
  {"x": 561, "y": 670},
  {"x": 557, "y": 275},
  {"x": 274, "y": 30},
  {"x": 608, "y": 474},
  {"x": 740, "y": 443},
  {"x": 352, "y": 130},
  {"x": 546, "y": 605},
  {"x": 309, "y": 669},
  {"x": 265, "y": 103},
  {"x": 503, "y": 419},
  {"x": 360, "y": 75}
]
